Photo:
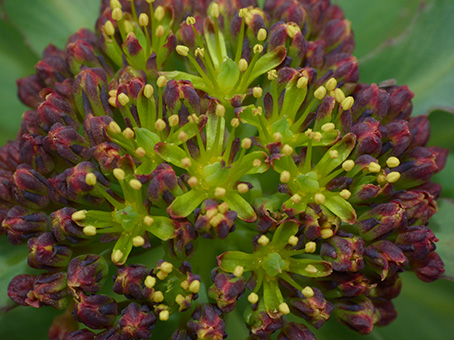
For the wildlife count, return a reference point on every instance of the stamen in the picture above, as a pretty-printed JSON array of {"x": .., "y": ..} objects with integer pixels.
[
  {"x": 242, "y": 188},
  {"x": 284, "y": 308},
  {"x": 258, "y": 48},
  {"x": 257, "y": 92},
  {"x": 160, "y": 125},
  {"x": 148, "y": 220},
  {"x": 296, "y": 198},
  {"x": 328, "y": 127},
  {"x": 393, "y": 177},
  {"x": 150, "y": 281},
  {"x": 348, "y": 165},
  {"x": 220, "y": 192},
  {"x": 138, "y": 241},
  {"x": 238, "y": 271},
  {"x": 162, "y": 81},
  {"x": 164, "y": 315},
  {"x": 90, "y": 179},
  {"x": 293, "y": 240},
  {"x": 182, "y": 50},
  {"x": 272, "y": 74},
  {"x": 148, "y": 91},
  {"x": 263, "y": 240},
  {"x": 347, "y": 103},
  {"x": 220, "y": 110},
  {"x": 261, "y": 35},
  {"x": 326, "y": 233},
  {"x": 311, "y": 269},
  {"x": 194, "y": 287},
  {"x": 143, "y": 20},
  {"x": 246, "y": 143},
  {"x": 119, "y": 174},
  {"x": 190, "y": 21},
  {"x": 193, "y": 181},
  {"x": 310, "y": 247},
  {"x": 167, "y": 267},
  {"x": 374, "y": 167},
  {"x": 287, "y": 150},
  {"x": 319, "y": 198},
  {"x": 393, "y": 162},
  {"x": 159, "y": 13},
  {"x": 277, "y": 137},
  {"x": 157, "y": 296},
  {"x": 79, "y": 215},
  {"x": 186, "y": 162},
  {"x": 117, "y": 255},
  {"x": 89, "y": 230},
  {"x": 135, "y": 184},
  {"x": 345, "y": 194},
  {"x": 339, "y": 95},
  {"x": 331, "y": 84},
  {"x": 114, "y": 127},
  {"x": 128, "y": 133},
  {"x": 109, "y": 28},
  {"x": 302, "y": 82},
  {"x": 320, "y": 93},
  {"x": 334, "y": 154},
  {"x": 117, "y": 14},
  {"x": 253, "y": 298},
  {"x": 174, "y": 120},
  {"x": 285, "y": 176},
  {"x": 308, "y": 292}
]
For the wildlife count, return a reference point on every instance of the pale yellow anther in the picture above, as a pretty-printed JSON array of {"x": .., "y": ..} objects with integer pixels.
[
  {"x": 345, "y": 194},
  {"x": 114, "y": 127},
  {"x": 182, "y": 50},
  {"x": 246, "y": 143},
  {"x": 326, "y": 233},
  {"x": 326, "y": 225},
  {"x": 186, "y": 162},
  {"x": 243, "y": 65},
  {"x": 157, "y": 296},
  {"x": 238, "y": 271},
  {"x": 381, "y": 179},
  {"x": 235, "y": 122},
  {"x": 258, "y": 48},
  {"x": 89, "y": 230},
  {"x": 223, "y": 207},
  {"x": 185, "y": 285},
  {"x": 328, "y": 127},
  {"x": 310, "y": 247},
  {"x": 256, "y": 163},
  {"x": 164, "y": 315},
  {"x": 159, "y": 13},
  {"x": 117, "y": 14},
  {"x": 138, "y": 241},
  {"x": 287, "y": 150},
  {"x": 161, "y": 275},
  {"x": 109, "y": 28},
  {"x": 160, "y": 30},
  {"x": 90, "y": 178},
  {"x": 263, "y": 240},
  {"x": 253, "y": 298},
  {"x": 393, "y": 177},
  {"x": 293, "y": 240},
  {"x": 317, "y": 136},
  {"x": 162, "y": 81},
  {"x": 194, "y": 287},
  {"x": 257, "y": 92},
  {"x": 393, "y": 162},
  {"x": 320, "y": 93},
  {"x": 311, "y": 269},
  {"x": 319, "y": 198},
  {"x": 284, "y": 308},
  {"x": 190, "y": 21},
  {"x": 261, "y": 35},
  {"x": 339, "y": 95},
  {"x": 119, "y": 174},
  {"x": 174, "y": 120},
  {"x": 79, "y": 215},
  {"x": 167, "y": 267},
  {"x": 160, "y": 124},
  {"x": 112, "y": 101},
  {"x": 277, "y": 137},
  {"x": 150, "y": 281},
  {"x": 220, "y": 192},
  {"x": 272, "y": 74},
  {"x": 348, "y": 165},
  {"x": 115, "y": 4},
  {"x": 284, "y": 177},
  {"x": 257, "y": 111},
  {"x": 308, "y": 292},
  {"x": 199, "y": 52},
  {"x": 179, "y": 299},
  {"x": 193, "y": 119},
  {"x": 220, "y": 110},
  {"x": 331, "y": 84},
  {"x": 113, "y": 93},
  {"x": 302, "y": 82},
  {"x": 135, "y": 184},
  {"x": 128, "y": 133},
  {"x": 182, "y": 136},
  {"x": 308, "y": 133},
  {"x": 143, "y": 19},
  {"x": 296, "y": 198},
  {"x": 374, "y": 167},
  {"x": 214, "y": 10},
  {"x": 347, "y": 103},
  {"x": 193, "y": 181},
  {"x": 292, "y": 30},
  {"x": 242, "y": 188},
  {"x": 243, "y": 12},
  {"x": 129, "y": 29},
  {"x": 211, "y": 213},
  {"x": 334, "y": 154},
  {"x": 148, "y": 221},
  {"x": 116, "y": 257}
]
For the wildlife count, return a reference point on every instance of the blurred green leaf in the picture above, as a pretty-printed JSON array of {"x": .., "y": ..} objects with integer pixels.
[{"x": 441, "y": 127}]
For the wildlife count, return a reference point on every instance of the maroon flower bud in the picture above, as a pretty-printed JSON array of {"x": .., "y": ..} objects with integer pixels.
[
  {"x": 28, "y": 90},
  {"x": 309, "y": 224},
  {"x": 214, "y": 220},
  {"x": 53, "y": 67},
  {"x": 164, "y": 186},
  {"x": 385, "y": 258},
  {"x": 45, "y": 253},
  {"x": 85, "y": 35},
  {"x": 349, "y": 284},
  {"x": 129, "y": 281},
  {"x": 112, "y": 333},
  {"x": 180, "y": 334},
  {"x": 132, "y": 46},
  {"x": 345, "y": 67},
  {"x": 29, "y": 124},
  {"x": 56, "y": 109},
  {"x": 420, "y": 130},
  {"x": 420, "y": 205},
  {"x": 64, "y": 228},
  {"x": 358, "y": 314},
  {"x": 96, "y": 311},
  {"x": 295, "y": 331},
  {"x": 107, "y": 155},
  {"x": 67, "y": 144},
  {"x": 382, "y": 220},
  {"x": 226, "y": 290},
  {"x": 49, "y": 290},
  {"x": 429, "y": 268},
  {"x": 315, "y": 54},
  {"x": 29, "y": 188},
  {"x": 87, "y": 272},
  {"x": 373, "y": 100},
  {"x": 81, "y": 53},
  {"x": 344, "y": 251},
  {"x": 416, "y": 242},
  {"x": 33, "y": 154},
  {"x": 268, "y": 217},
  {"x": 368, "y": 137},
  {"x": 386, "y": 312},
  {"x": 62, "y": 325},
  {"x": 81, "y": 334},
  {"x": 419, "y": 168},
  {"x": 207, "y": 323},
  {"x": 137, "y": 322},
  {"x": 315, "y": 309},
  {"x": 388, "y": 288},
  {"x": 335, "y": 32},
  {"x": 400, "y": 103},
  {"x": 397, "y": 140},
  {"x": 9, "y": 156},
  {"x": 181, "y": 245},
  {"x": 19, "y": 287},
  {"x": 261, "y": 324},
  {"x": 179, "y": 92},
  {"x": 21, "y": 224}
]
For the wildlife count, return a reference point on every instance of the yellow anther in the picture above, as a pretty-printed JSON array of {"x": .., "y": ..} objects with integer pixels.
[
  {"x": 284, "y": 177},
  {"x": 129, "y": 29},
  {"x": 311, "y": 269},
  {"x": 138, "y": 241},
  {"x": 374, "y": 167},
  {"x": 243, "y": 12},
  {"x": 345, "y": 194},
  {"x": 148, "y": 220},
  {"x": 79, "y": 215},
  {"x": 135, "y": 184},
  {"x": 277, "y": 137},
  {"x": 159, "y": 13},
  {"x": 308, "y": 292},
  {"x": 186, "y": 162},
  {"x": 347, "y": 103},
  {"x": 157, "y": 296},
  {"x": 292, "y": 30},
  {"x": 90, "y": 178},
  {"x": 242, "y": 188},
  {"x": 223, "y": 207},
  {"x": 319, "y": 198},
  {"x": 246, "y": 143},
  {"x": 199, "y": 52},
  {"x": 253, "y": 298},
  {"x": 302, "y": 82},
  {"x": 284, "y": 308},
  {"x": 296, "y": 198},
  {"x": 272, "y": 74},
  {"x": 160, "y": 30},
  {"x": 128, "y": 133},
  {"x": 326, "y": 225},
  {"x": 117, "y": 14},
  {"x": 214, "y": 10},
  {"x": 180, "y": 299},
  {"x": 220, "y": 192},
  {"x": 331, "y": 84},
  {"x": 261, "y": 35},
  {"x": 328, "y": 127},
  {"x": 317, "y": 136},
  {"x": 310, "y": 247},
  {"x": 114, "y": 127},
  {"x": 190, "y": 21},
  {"x": 109, "y": 28},
  {"x": 320, "y": 93},
  {"x": 164, "y": 315},
  {"x": 287, "y": 150},
  {"x": 89, "y": 230},
  {"x": 162, "y": 81},
  {"x": 334, "y": 154},
  {"x": 257, "y": 111},
  {"x": 184, "y": 285},
  {"x": 308, "y": 133},
  {"x": 348, "y": 165},
  {"x": 293, "y": 240},
  {"x": 143, "y": 19},
  {"x": 392, "y": 162},
  {"x": 256, "y": 163},
  {"x": 193, "y": 181},
  {"x": 339, "y": 95},
  {"x": 194, "y": 287},
  {"x": 119, "y": 174},
  {"x": 112, "y": 101},
  {"x": 182, "y": 50},
  {"x": 148, "y": 91},
  {"x": 161, "y": 275},
  {"x": 193, "y": 119},
  {"x": 238, "y": 271},
  {"x": 258, "y": 48},
  {"x": 393, "y": 177},
  {"x": 257, "y": 92},
  {"x": 174, "y": 120},
  {"x": 166, "y": 267},
  {"x": 243, "y": 65},
  {"x": 117, "y": 255},
  {"x": 183, "y": 136},
  {"x": 220, "y": 110},
  {"x": 115, "y": 4},
  {"x": 326, "y": 233},
  {"x": 263, "y": 240},
  {"x": 381, "y": 179},
  {"x": 235, "y": 122},
  {"x": 160, "y": 124},
  {"x": 150, "y": 281}
]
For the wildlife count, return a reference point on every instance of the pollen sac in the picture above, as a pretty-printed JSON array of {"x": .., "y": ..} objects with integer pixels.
[
  {"x": 96, "y": 311},
  {"x": 214, "y": 220},
  {"x": 226, "y": 290}
]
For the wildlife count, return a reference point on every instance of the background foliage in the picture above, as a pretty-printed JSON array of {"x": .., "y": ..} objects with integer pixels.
[{"x": 411, "y": 41}]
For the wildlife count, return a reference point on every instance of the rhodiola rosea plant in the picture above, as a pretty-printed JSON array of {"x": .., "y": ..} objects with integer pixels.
[{"x": 216, "y": 161}]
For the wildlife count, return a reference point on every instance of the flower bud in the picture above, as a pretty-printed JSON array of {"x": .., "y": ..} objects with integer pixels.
[
  {"x": 397, "y": 139},
  {"x": 107, "y": 155},
  {"x": 21, "y": 224},
  {"x": 368, "y": 137},
  {"x": 33, "y": 153},
  {"x": 212, "y": 220},
  {"x": 385, "y": 258},
  {"x": 64, "y": 228},
  {"x": 164, "y": 186},
  {"x": 28, "y": 90},
  {"x": 137, "y": 322},
  {"x": 87, "y": 273},
  {"x": 345, "y": 252},
  {"x": 53, "y": 67},
  {"x": 335, "y": 33},
  {"x": 420, "y": 130},
  {"x": 96, "y": 311},
  {"x": 429, "y": 268},
  {"x": 95, "y": 129},
  {"x": 81, "y": 334},
  {"x": 129, "y": 281},
  {"x": 10, "y": 156},
  {"x": 19, "y": 287},
  {"x": 416, "y": 242},
  {"x": 56, "y": 109},
  {"x": 420, "y": 205},
  {"x": 385, "y": 311},
  {"x": 29, "y": 188},
  {"x": 181, "y": 245},
  {"x": 80, "y": 53},
  {"x": 49, "y": 290},
  {"x": 316, "y": 309},
  {"x": 45, "y": 253},
  {"x": 295, "y": 331},
  {"x": 207, "y": 323},
  {"x": 261, "y": 324},
  {"x": 226, "y": 290},
  {"x": 358, "y": 314},
  {"x": 419, "y": 167}
]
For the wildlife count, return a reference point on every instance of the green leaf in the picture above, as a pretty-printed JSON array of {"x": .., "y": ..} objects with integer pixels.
[
  {"x": 232, "y": 259},
  {"x": 267, "y": 62},
  {"x": 170, "y": 153},
  {"x": 241, "y": 206},
  {"x": 185, "y": 204},
  {"x": 300, "y": 266},
  {"x": 229, "y": 74},
  {"x": 162, "y": 228},
  {"x": 340, "y": 207}
]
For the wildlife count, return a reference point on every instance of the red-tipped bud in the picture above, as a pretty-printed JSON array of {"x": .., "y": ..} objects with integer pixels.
[
  {"x": 10, "y": 156},
  {"x": 53, "y": 67},
  {"x": 56, "y": 109},
  {"x": 226, "y": 290},
  {"x": 107, "y": 155},
  {"x": 181, "y": 245},
  {"x": 95, "y": 129},
  {"x": 33, "y": 153},
  {"x": 429, "y": 268},
  {"x": 296, "y": 331},
  {"x": 87, "y": 273},
  {"x": 29, "y": 188},
  {"x": 385, "y": 258},
  {"x": 336, "y": 32},
  {"x": 420, "y": 166},
  {"x": 420, "y": 130},
  {"x": 164, "y": 186},
  {"x": 214, "y": 220},
  {"x": 81, "y": 334},
  {"x": 90, "y": 91},
  {"x": 21, "y": 224},
  {"x": 137, "y": 322},
  {"x": 345, "y": 252},
  {"x": 420, "y": 205},
  {"x": 416, "y": 242},
  {"x": 358, "y": 314},
  {"x": 96, "y": 311},
  {"x": 207, "y": 323},
  {"x": 179, "y": 92},
  {"x": 371, "y": 99},
  {"x": 385, "y": 310},
  {"x": 49, "y": 290},
  {"x": 19, "y": 287},
  {"x": 368, "y": 137},
  {"x": 64, "y": 228},
  {"x": 45, "y": 253},
  {"x": 80, "y": 53},
  {"x": 129, "y": 281},
  {"x": 315, "y": 309},
  {"x": 397, "y": 140},
  {"x": 28, "y": 90}
]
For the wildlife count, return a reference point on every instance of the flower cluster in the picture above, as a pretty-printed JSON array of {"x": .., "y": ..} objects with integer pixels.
[{"x": 205, "y": 152}]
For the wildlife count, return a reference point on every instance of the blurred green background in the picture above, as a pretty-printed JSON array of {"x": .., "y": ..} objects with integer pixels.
[{"x": 411, "y": 41}]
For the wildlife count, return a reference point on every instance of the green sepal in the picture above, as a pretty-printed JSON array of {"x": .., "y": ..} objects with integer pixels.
[
  {"x": 241, "y": 206},
  {"x": 340, "y": 207},
  {"x": 146, "y": 139},
  {"x": 228, "y": 75},
  {"x": 282, "y": 234},
  {"x": 230, "y": 260},
  {"x": 170, "y": 153},
  {"x": 272, "y": 295},
  {"x": 268, "y": 62},
  {"x": 344, "y": 148},
  {"x": 282, "y": 163},
  {"x": 185, "y": 204},
  {"x": 162, "y": 228},
  {"x": 215, "y": 174},
  {"x": 124, "y": 244},
  {"x": 298, "y": 266},
  {"x": 196, "y": 81}
]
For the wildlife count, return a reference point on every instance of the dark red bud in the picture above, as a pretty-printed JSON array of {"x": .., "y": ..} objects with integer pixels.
[
  {"x": 19, "y": 287},
  {"x": 81, "y": 334},
  {"x": 53, "y": 67},
  {"x": 296, "y": 331},
  {"x": 49, "y": 290},
  {"x": 164, "y": 186},
  {"x": 28, "y": 90},
  {"x": 210, "y": 222},
  {"x": 9, "y": 156},
  {"x": 385, "y": 311},
  {"x": 181, "y": 91},
  {"x": 181, "y": 245},
  {"x": 373, "y": 100},
  {"x": 96, "y": 311},
  {"x": 316, "y": 309},
  {"x": 385, "y": 258},
  {"x": 207, "y": 323},
  {"x": 129, "y": 281},
  {"x": 132, "y": 45},
  {"x": 420, "y": 205},
  {"x": 262, "y": 325},
  {"x": 79, "y": 54},
  {"x": 45, "y": 253},
  {"x": 33, "y": 153},
  {"x": 87, "y": 272},
  {"x": 21, "y": 224},
  {"x": 420, "y": 130},
  {"x": 315, "y": 54},
  {"x": 400, "y": 102},
  {"x": 56, "y": 109},
  {"x": 335, "y": 32},
  {"x": 358, "y": 314},
  {"x": 137, "y": 322},
  {"x": 107, "y": 155},
  {"x": 429, "y": 268},
  {"x": 421, "y": 164},
  {"x": 226, "y": 290},
  {"x": 397, "y": 140},
  {"x": 368, "y": 139},
  {"x": 344, "y": 252},
  {"x": 64, "y": 228},
  {"x": 29, "y": 188}
]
